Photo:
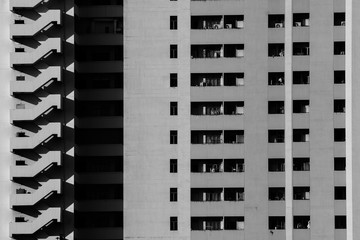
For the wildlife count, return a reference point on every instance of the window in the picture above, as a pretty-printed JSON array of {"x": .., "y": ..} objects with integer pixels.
[
  {"x": 173, "y": 194},
  {"x": 301, "y": 106},
  {"x": 173, "y": 137},
  {"x": 301, "y": 222},
  {"x": 301, "y": 77},
  {"x": 339, "y": 77},
  {"x": 339, "y": 105},
  {"x": 276, "y": 78},
  {"x": 339, "y": 164},
  {"x": 173, "y": 108},
  {"x": 339, "y": 134},
  {"x": 276, "y": 107},
  {"x": 173, "y": 51},
  {"x": 340, "y": 193},
  {"x": 301, "y": 20},
  {"x": 173, "y": 22},
  {"x": 277, "y": 194},
  {"x": 276, "y": 136},
  {"x": 276, "y": 50},
  {"x": 276, "y": 165},
  {"x": 173, "y": 223},
  {"x": 301, "y": 164},
  {"x": 301, "y": 135},
  {"x": 340, "y": 222},
  {"x": 301, "y": 48},
  {"x": 339, "y": 48},
  {"x": 339, "y": 19},
  {"x": 276, "y": 223},
  {"x": 173, "y": 165},
  {"x": 173, "y": 79},
  {"x": 276, "y": 20},
  {"x": 301, "y": 193}
]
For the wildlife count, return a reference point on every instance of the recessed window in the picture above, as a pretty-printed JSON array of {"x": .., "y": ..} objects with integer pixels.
[
  {"x": 276, "y": 136},
  {"x": 301, "y": 135},
  {"x": 173, "y": 51},
  {"x": 276, "y": 78},
  {"x": 276, "y": 107},
  {"x": 339, "y": 164},
  {"x": 276, "y": 20},
  {"x": 276, "y": 50},
  {"x": 277, "y": 194},
  {"x": 339, "y": 134},
  {"x": 276, "y": 223},
  {"x": 173, "y": 80},
  {"x": 173, "y": 137},
  {"x": 340, "y": 193},
  {"x": 339, "y": 77},
  {"x": 173, "y": 165},
  {"x": 173, "y": 108},
  {"x": 339, "y": 19},
  {"x": 173, "y": 22},
  {"x": 301, "y": 106},
  {"x": 301, "y": 222},
  {"x": 173, "y": 223},
  {"x": 339, "y": 106},
  {"x": 301, "y": 77},
  {"x": 339, "y": 48},
  {"x": 340, "y": 222},
  {"x": 301, "y": 48},
  {"x": 173, "y": 194},
  {"x": 301, "y": 164},
  {"x": 301, "y": 20},
  {"x": 301, "y": 193},
  {"x": 276, "y": 164}
]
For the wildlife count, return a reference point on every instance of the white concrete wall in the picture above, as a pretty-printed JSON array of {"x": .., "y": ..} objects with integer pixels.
[
  {"x": 147, "y": 120},
  {"x": 5, "y": 127}
]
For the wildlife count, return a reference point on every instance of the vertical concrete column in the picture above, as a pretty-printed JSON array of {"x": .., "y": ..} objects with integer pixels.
[
  {"x": 352, "y": 119},
  {"x": 288, "y": 121},
  {"x": 256, "y": 97},
  {"x": 321, "y": 119},
  {"x": 5, "y": 127}
]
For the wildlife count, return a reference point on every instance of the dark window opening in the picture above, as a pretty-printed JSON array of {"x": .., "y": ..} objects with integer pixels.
[
  {"x": 339, "y": 135},
  {"x": 301, "y": 77},
  {"x": 276, "y": 164}
]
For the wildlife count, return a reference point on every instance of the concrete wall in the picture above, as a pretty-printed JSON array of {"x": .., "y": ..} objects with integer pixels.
[
  {"x": 5, "y": 127},
  {"x": 147, "y": 121}
]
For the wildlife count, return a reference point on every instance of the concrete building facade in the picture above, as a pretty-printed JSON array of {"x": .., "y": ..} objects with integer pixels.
[{"x": 179, "y": 119}]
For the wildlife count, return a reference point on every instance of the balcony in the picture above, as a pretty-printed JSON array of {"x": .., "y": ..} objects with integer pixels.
[
  {"x": 25, "y": 3},
  {"x": 301, "y": 49},
  {"x": 21, "y": 141},
  {"x": 43, "y": 51},
  {"x": 44, "y": 163},
  {"x": 217, "y": 223},
  {"x": 43, "y": 220},
  {"x": 30, "y": 28},
  {"x": 301, "y": 20},
  {"x": 217, "y": 137},
  {"x": 25, "y": 198},
  {"x": 208, "y": 115},
  {"x": 22, "y": 113},
  {"x": 29, "y": 84}
]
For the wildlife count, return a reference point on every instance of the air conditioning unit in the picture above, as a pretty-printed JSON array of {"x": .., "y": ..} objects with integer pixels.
[
  {"x": 279, "y": 25},
  {"x": 217, "y": 26},
  {"x": 342, "y": 23},
  {"x": 297, "y": 24},
  {"x": 239, "y": 24},
  {"x": 229, "y": 25}
]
